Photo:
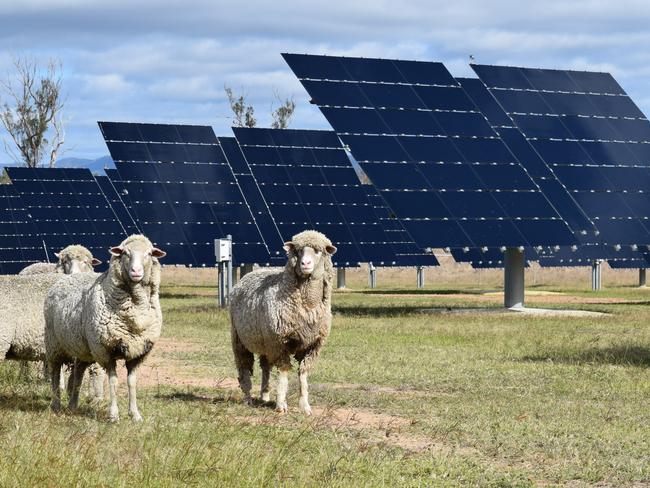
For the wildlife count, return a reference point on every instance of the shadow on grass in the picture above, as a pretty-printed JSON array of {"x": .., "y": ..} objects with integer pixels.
[
  {"x": 415, "y": 291},
  {"x": 34, "y": 403},
  {"x": 617, "y": 355},
  {"x": 192, "y": 397},
  {"x": 182, "y": 296},
  {"x": 399, "y": 310}
]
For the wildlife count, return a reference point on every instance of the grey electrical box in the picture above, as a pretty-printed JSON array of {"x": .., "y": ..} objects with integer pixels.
[{"x": 223, "y": 250}]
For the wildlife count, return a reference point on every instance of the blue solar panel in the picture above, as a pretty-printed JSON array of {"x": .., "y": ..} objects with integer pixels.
[
  {"x": 182, "y": 192},
  {"x": 20, "y": 244},
  {"x": 410, "y": 134},
  {"x": 592, "y": 139},
  {"x": 68, "y": 207},
  {"x": 117, "y": 204},
  {"x": 308, "y": 181}
]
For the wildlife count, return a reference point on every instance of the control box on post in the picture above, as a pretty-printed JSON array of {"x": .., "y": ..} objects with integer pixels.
[{"x": 223, "y": 255}]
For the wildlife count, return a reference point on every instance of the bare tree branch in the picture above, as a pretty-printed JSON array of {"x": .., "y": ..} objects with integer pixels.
[
  {"x": 31, "y": 111},
  {"x": 243, "y": 115}
]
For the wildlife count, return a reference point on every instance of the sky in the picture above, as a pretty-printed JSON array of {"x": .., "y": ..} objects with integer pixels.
[{"x": 168, "y": 61}]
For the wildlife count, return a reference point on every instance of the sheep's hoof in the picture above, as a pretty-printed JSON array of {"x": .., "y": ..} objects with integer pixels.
[
  {"x": 248, "y": 401},
  {"x": 56, "y": 407},
  {"x": 113, "y": 416},
  {"x": 136, "y": 417},
  {"x": 266, "y": 397},
  {"x": 281, "y": 407},
  {"x": 304, "y": 407}
]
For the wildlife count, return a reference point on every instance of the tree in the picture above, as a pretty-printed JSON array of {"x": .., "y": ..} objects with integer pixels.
[
  {"x": 243, "y": 114},
  {"x": 282, "y": 115},
  {"x": 31, "y": 112}
]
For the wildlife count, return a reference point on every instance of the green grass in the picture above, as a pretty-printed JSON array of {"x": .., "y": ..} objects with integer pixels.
[{"x": 472, "y": 399}]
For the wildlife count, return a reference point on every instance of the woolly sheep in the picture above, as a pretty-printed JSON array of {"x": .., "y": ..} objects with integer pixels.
[
  {"x": 279, "y": 314},
  {"x": 21, "y": 310},
  {"x": 103, "y": 318},
  {"x": 72, "y": 259}
]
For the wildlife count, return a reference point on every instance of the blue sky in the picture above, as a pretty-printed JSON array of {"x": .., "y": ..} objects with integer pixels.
[{"x": 168, "y": 61}]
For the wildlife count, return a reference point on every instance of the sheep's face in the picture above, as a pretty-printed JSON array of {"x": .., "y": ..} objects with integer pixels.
[
  {"x": 136, "y": 259},
  {"x": 308, "y": 260},
  {"x": 76, "y": 263}
]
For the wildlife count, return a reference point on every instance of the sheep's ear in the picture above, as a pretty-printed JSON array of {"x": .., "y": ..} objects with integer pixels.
[
  {"x": 331, "y": 250},
  {"x": 116, "y": 251},
  {"x": 95, "y": 262},
  {"x": 158, "y": 253},
  {"x": 57, "y": 255},
  {"x": 289, "y": 246}
]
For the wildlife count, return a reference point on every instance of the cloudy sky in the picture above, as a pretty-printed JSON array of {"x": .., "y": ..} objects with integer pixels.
[{"x": 168, "y": 61}]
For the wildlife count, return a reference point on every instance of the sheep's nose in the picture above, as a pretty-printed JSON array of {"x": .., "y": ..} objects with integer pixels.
[{"x": 306, "y": 261}]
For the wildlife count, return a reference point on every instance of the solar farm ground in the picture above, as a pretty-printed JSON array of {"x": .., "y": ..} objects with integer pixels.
[{"x": 400, "y": 397}]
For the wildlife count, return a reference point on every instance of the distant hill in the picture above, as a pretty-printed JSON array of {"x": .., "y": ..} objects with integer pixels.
[{"x": 94, "y": 165}]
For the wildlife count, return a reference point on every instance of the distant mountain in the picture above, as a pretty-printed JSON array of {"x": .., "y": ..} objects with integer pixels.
[{"x": 94, "y": 165}]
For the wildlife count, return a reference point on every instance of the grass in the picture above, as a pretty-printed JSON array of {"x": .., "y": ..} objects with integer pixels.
[{"x": 401, "y": 398}]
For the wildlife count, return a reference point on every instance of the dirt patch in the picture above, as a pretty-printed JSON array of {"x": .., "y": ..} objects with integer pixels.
[{"x": 166, "y": 344}]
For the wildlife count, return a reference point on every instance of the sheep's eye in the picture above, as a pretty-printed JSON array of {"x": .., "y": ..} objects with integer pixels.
[{"x": 319, "y": 252}]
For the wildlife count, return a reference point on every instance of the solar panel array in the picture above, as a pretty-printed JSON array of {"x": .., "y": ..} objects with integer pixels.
[
  {"x": 439, "y": 165},
  {"x": 67, "y": 206},
  {"x": 182, "y": 192},
  {"x": 589, "y": 136},
  {"x": 20, "y": 244},
  {"x": 308, "y": 181}
]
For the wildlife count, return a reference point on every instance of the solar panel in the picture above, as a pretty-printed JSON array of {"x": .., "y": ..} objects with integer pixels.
[
  {"x": 20, "y": 244},
  {"x": 67, "y": 207},
  {"x": 586, "y": 138},
  {"x": 437, "y": 162},
  {"x": 407, "y": 252},
  {"x": 585, "y": 255},
  {"x": 182, "y": 192},
  {"x": 119, "y": 208},
  {"x": 254, "y": 198},
  {"x": 308, "y": 181}
]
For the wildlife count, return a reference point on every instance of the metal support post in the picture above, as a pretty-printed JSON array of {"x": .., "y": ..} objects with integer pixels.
[
  {"x": 642, "y": 277},
  {"x": 229, "y": 270},
  {"x": 222, "y": 285},
  {"x": 595, "y": 274},
  {"x": 420, "y": 276},
  {"x": 372, "y": 275},
  {"x": 513, "y": 279},
  {"x": 340, "y": 278}
]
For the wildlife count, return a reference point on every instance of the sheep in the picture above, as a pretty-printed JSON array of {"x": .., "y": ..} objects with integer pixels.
[
  {"x": 72, "y": 259},
  {"x": 103, "y": 318},
  {"x": 21, "y": 311},
  {"x": 279, "y": 314}
]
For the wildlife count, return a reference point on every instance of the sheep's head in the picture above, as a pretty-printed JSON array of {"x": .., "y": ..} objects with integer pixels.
[
  {"x": 135, "y": 258},
  {"x": 76, "y": 259},
  {"x": 308, "y": 252}
]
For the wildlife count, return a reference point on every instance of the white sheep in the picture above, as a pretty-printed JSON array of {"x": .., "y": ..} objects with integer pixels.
[
  {"x": 72, "y": 259},
  {"x": 22, "y": 324},
  {"x": 103, "y": 318},
  {"x": 279, "y": 314}
]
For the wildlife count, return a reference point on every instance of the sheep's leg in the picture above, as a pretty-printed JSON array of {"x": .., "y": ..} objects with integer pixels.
[
  {"x": 283, "y": 386},
  {"x": 96, "y": 377},
  {"x": 25, "y": 371},
  {"x": 306, "y": 363},
  {"x": 266, "y": 374},
  {"x": 76, "y": 377},
  {"x": 55, "y": 380},
  {"x": 114, "y": 414},
  {"x": 131, "y": 380},
  {"x": 70, "y": 386},
  {"x": 244, "y": 361}
]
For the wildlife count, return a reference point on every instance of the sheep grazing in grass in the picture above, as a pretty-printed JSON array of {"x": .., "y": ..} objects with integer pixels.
[
  {"x": 103, "y": 318},
  {"x": 72, "y": 259},
  {"x": 279, "y": 314}
]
